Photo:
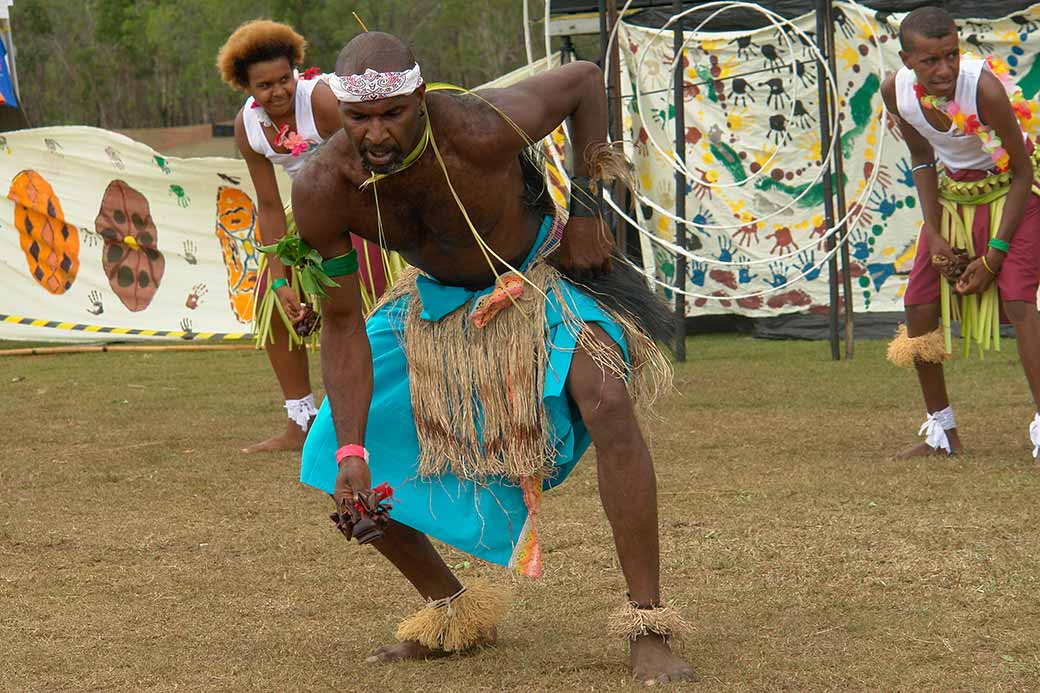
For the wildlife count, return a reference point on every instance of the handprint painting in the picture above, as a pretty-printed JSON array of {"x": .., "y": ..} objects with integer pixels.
[
  {"x": 100, "y": 237},
  {"x": 753, "y": 153},
  {"x": 237, "y": 229}
]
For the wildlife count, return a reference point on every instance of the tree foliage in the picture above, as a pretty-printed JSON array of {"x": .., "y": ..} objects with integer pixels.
[{"x": 150, "y": 63}]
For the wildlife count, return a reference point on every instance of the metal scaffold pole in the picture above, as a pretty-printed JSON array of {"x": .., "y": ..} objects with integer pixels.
[{"x": 680, "y": 187}]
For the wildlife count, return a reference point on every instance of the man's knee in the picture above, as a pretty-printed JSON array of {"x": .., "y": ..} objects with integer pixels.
[
  {"x": 921, "y": 319},
  {"x": 607, "y": 403},
  {"x": 600, "y": 393}
]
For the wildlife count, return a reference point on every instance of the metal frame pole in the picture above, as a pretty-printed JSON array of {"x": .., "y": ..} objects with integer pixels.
[
  {"x": 839, "y": 189},
  {"x": 680, "y": 186},
  {"x": 615, "y": 124},
  {"x": 602, "y": 32},
  {"x": 822, "y": 26}
]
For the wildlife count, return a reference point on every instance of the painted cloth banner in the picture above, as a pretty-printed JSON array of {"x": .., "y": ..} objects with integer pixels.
[
  {"x": 742, "y": 106},
  {"x": 103, "y": 239}
]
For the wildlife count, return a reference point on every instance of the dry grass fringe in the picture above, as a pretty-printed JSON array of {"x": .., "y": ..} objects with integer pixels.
[
  {"x": 905, "y": 351},
  {"x": 487, "y": 417},
  {"x": 631, "y": 622},
  {"x": 457, "y": 624},
  {"x": 607, "y": 161}
]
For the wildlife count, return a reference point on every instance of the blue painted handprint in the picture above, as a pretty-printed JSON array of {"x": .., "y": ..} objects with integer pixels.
[
  {"x": 698, "y": 272},
  {"x": 883, "y": 204},
  {"x": 807, "y": 259},
  {"x": 702, "y": 218},
  {"x": 860, "y": 245},
  {"x": 905, "y": 175},
  {"x": 778, "y": 275},
  {"x": 726, "y": 248},
  {"x": 744, "y": 275}
]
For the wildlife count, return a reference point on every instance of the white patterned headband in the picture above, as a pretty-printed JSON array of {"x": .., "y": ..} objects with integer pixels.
[{"x": 372, "y": 85}]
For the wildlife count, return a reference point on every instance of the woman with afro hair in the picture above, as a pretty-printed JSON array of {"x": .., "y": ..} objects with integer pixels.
[{"x": 286, "y": 117}]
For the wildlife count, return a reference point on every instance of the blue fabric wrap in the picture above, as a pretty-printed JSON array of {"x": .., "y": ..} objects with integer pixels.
[{"x": 483, "y": 519}]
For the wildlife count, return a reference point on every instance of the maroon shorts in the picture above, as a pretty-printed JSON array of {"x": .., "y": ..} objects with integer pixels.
[{"x": 1020, "y": 273}]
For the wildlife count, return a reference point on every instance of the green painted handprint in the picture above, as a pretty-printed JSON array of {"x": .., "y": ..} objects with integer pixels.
[{"x": 182, "y": 197}]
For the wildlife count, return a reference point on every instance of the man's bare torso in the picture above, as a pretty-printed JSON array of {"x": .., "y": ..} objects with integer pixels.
[{"x": 420, "y": 218}]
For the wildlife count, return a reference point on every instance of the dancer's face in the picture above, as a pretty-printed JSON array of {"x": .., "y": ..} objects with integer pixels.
[
  {"x": 273, "y": 85},
  {"x": 936, "y": 62},
  {"x": 383, "y": 132}
]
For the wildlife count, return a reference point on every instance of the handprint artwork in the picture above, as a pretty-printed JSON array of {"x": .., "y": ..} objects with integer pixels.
[{"x": 196, "y": 294}]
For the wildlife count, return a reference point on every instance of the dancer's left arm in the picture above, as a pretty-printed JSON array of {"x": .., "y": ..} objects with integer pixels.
[
  {"x": 996, "y": 112},
  {"x": 538, "y": 105}
]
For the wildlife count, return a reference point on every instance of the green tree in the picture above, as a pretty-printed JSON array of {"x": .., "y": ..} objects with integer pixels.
[{"x": 150, "y": 63}]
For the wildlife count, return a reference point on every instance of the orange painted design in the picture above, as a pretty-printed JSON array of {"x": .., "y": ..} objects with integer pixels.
[
  {"x": 50, "y": 245},
  {"x": 238, "y": 229},
  {"x": 510, "y": 288},
  {"x": 529, "y": 554}
]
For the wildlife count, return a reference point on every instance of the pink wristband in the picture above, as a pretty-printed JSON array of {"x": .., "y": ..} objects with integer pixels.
[{"x": 351, "y": 451}]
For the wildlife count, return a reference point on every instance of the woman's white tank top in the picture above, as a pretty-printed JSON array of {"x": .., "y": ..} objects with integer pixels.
[
  {"x": 254, "y": 120},
  {"x": 955, "y": 150}
]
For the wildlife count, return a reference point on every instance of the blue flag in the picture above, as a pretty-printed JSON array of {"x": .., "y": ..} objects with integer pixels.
[{"x": 7, "y": 97}]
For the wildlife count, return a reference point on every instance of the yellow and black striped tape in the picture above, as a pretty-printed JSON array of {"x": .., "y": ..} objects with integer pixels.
[{"x": 129, "y": 331}]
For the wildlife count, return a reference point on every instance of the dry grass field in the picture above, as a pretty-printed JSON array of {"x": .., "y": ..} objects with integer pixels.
[{"x": 140, "y": 551}]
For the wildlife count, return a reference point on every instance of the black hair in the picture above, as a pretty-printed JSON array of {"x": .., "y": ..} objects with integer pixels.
[{"x": 927, "y": 22}]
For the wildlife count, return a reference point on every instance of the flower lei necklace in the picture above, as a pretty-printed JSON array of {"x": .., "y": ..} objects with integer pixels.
[
  {"x": 1024, "y": 110},
  {"x": 286, "y": 138}
]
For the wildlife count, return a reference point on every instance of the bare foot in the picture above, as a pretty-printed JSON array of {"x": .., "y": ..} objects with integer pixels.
[
  {"x": 652, "y": 662},
  {"x": 925, "y": 450},
  {"x": 410, "y": 649},
  {"x": 292, "y": 439}
]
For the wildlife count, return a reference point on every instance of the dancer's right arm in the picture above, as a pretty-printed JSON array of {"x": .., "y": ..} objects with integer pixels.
[
  {"x": 346, "y": 356},
  {"x": 271, "y": 212},
  {"x": 926, "y": 180}
]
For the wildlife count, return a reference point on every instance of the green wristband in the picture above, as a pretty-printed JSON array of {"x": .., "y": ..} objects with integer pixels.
[
  {"x": 997, "y": 244},
  {"x": 279, "y": 283},
  {"x": 342, "y": 265}
]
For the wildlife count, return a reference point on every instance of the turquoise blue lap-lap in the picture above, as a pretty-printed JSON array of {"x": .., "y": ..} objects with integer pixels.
[{"x": 485, "y": 519}]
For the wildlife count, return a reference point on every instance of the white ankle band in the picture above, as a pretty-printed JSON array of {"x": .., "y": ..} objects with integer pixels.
[
  {"x": 934, "y": 429},
  {"x": 1034, "y": 434},
  {"x": 301, "y": 410}
]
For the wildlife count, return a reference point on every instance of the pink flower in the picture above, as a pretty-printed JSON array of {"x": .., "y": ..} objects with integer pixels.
[
  {"x": 292, "y": 141},
  {"x": 953, "y": 108},
  {"x": 972, "y": 125},
  {"x": 311, "y": 73},
  {"x": 256, "y": 104},
  {"x": 919, "y": 90}
]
